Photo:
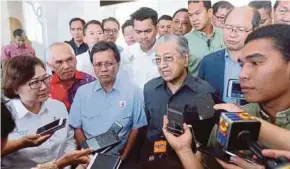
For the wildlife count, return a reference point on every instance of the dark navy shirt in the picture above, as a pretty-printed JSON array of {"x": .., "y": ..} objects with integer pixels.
[
  {"x": 78, "y": 50},
  {"x": 157, "y": 96}
]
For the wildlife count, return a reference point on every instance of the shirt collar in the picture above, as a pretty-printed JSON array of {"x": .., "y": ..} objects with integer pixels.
[
  {"x": 117, "y": 85},
  {"x": 189, "y": 82},
  {"x": 281, "y": 118},
  {"x": 21, "y": 110},
  {"x": 151, "y": 51},
  {"x": 205, "y": 35},
  {"x": 78, "y": 75},
  {"x": 16, "y": 46}
]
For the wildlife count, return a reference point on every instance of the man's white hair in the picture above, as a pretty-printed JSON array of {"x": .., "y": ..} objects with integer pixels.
[{"x": 49, "y": 59}]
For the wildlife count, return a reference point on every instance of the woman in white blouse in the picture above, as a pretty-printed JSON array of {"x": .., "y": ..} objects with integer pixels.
[{"x": 26, "y": 83}]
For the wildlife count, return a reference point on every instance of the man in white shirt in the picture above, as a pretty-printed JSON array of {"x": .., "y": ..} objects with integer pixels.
[
  {"x": 137, "y": 59},
  {"x": 94, "y": 33}
]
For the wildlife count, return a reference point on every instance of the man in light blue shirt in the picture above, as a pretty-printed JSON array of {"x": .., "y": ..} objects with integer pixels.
[
  {"x": 100, "y": 103},
  {"x": 232, "y": 72}
]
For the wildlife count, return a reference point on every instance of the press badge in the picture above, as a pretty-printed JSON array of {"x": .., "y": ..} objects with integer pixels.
[{"x": 160, "y": 146}]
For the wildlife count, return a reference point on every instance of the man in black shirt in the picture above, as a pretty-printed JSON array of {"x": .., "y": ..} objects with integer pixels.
[
  {"x": 175, "y": 86},
  {"x": 77, "y": 42}
]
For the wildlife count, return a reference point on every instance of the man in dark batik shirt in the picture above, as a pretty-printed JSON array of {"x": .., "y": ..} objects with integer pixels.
[{"x": 66, "y": 79}]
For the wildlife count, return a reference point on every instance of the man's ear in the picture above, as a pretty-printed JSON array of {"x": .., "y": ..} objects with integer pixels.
[
  {"x": 186, "y": 60},
  {"x": 288, "y": 70},
  {"x": 210, "y": 13},
  {"x": 48, "y": 63}
]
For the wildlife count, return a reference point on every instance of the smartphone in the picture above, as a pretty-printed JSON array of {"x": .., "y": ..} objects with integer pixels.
[
  {"x": 105, "y": 161},
  {"x": 116, "y": 127},
  {"x": 204, "y": 105},
  {"x": 52, "y": 127},
  {"x": 220, "y": 154},
  {"x": 175, "y": 120},
  {"x": 234, "y": 89},
  {"x": 195, "y": 143},
  {"x": 102, "y": 141}
]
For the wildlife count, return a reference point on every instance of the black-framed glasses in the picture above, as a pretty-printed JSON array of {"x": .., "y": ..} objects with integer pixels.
[
  {"x": 238, "y": 29},
  {"x": 107, "y": 31},
  {"x": 36, "y": 84},
  {"x": 220, "y": 18},
  {"x": 98, "y": 65}
]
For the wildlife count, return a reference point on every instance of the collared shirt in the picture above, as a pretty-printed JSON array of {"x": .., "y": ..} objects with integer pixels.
[
  {"x": 232, "y": 71},
  {"x": 65, "y": 94},
  {"x": 282, "y": 118},
  {"x": 94, "y": 110},
  {"x": 27, "y": 123},
  {"x": 84, "y": 63},
  {"x": 200, "y": 45},
  {"x": 157, "y": 96},
  {"x": 78, "y": 50},
  {"x": 139, "y": 65},
  {"x": 13, "y": 50}
]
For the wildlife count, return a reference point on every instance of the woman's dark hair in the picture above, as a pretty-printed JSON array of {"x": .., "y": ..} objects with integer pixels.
[
  {"x": 104, "y": 46},
  {"x": 18, "y": 71},
  {"x": 278, "y": 34},
  {"x": 7, "y": 122}
]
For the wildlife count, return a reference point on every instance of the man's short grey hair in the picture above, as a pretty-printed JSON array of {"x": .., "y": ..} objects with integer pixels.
[
  {"x": 58, "y": 44},
  {"x": 182, "y": 43}
]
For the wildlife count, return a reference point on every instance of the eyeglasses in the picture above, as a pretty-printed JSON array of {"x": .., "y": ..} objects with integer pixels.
[
  {"x": 166, "y": 59},
  {"x": 99, "y": 65},
  {"x": 220, "y": 18},
  {"x": 37, "y": 83},
  {"x": 239, "y": 29},
  {"x": 107, "y": 31}
]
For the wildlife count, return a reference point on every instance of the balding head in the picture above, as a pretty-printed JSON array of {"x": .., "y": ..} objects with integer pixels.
[
  {"x": 244, "y": 15},
  {"x": 239, "y": 22},
  {"x": 62, "y": 60}
]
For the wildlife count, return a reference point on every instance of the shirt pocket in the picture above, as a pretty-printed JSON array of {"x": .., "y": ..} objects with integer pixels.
[{"x": 91, "y": 123}]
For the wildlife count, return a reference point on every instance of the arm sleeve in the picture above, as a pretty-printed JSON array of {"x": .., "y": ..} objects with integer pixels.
[
  {"x": 75, "y": 111},
  {"x": 139, "y": 116}
]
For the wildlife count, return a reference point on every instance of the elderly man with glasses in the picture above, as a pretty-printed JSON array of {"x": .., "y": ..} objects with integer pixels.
[{"x": 223, "y": 64}]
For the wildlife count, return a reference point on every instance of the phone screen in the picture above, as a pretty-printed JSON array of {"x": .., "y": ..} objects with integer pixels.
[
  {"x": 175, "y": 120},
  {"x": 93, "y": 144},
  {"x": 116, "y": 127}
]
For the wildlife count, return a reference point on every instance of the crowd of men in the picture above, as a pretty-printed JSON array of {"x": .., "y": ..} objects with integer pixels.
[{"x": 198, "y": 51}]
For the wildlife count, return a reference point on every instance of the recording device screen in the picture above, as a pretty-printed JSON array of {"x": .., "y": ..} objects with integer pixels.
[
  {"x": 116, "y": 127},
  {"x": 175, "y": 119},
  {"x": 105, "y": 161},
  {"x": 51, "y": 127},
  {"x": 102, "y": 141},
  {"x": 234, "y": 89}
]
